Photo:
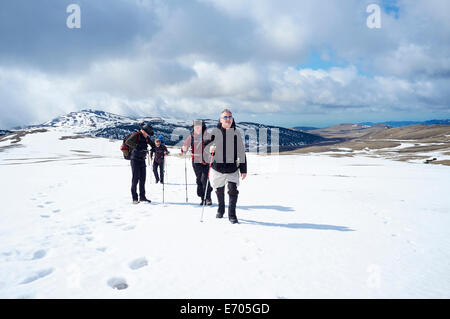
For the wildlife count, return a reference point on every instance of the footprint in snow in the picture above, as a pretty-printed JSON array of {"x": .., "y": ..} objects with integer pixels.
[
  {"x": 37, "y": 275},
  {"x": 138, "y": 263},
  {"x": 39, "y": 254},
  {"x": 252, "y": 244},
  {"x": 129, "y": 227},
  {"x": 118, "y": 283}
]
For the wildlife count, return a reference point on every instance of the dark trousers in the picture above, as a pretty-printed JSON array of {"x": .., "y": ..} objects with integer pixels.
[
  {"x": 201, "y": 174},
  {"x": 233, "y": 197},
  {"x": 159, "y": 177},
  {"x": 138, "y": 169}
]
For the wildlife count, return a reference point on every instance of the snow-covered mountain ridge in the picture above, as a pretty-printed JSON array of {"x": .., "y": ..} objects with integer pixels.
[{"x": 108, "y": 125}]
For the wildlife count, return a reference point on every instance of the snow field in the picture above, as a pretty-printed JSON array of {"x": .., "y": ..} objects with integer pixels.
[{"x": 311, "y": 226}]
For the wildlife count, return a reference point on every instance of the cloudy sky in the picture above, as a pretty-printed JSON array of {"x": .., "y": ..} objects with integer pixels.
[{"x": 289, "y": 63}]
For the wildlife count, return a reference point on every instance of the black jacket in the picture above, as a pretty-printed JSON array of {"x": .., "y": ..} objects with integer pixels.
[
  {"x": 159, "y": 153},
  {"x": 138, "y": 143},
  {"x": 228, "y": 160}
]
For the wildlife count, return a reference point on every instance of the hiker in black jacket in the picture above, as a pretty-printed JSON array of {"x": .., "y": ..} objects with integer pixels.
[
  {"x": 160, "y": 151},
  {"x": 200, "y": 161},
  {"x": 228, "y": 149},
  {"x": 138, "y": 142}
]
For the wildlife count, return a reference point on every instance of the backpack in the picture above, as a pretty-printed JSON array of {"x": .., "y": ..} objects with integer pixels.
[{"x": 126, "y": 150}]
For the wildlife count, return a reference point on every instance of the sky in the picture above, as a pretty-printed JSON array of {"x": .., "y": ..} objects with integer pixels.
[{"x": 286, "y": 62}]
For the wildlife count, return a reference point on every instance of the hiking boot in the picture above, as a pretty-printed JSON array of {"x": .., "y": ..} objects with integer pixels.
[
  {"x": 145, "y": 200},
  {"x": 135, "y": 202},
  {"x": 232, "y": 209},
  {"x": 221, "y": 201},
  {"x": 208, "y": 202},
  {"x": 219, "y": 215}
]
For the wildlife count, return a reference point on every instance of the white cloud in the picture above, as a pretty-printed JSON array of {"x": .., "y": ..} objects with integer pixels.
[
  {"x": 28, "y": 97},
  {"x": 196, "y": 58},
  {"x": 213, "y": 81}
]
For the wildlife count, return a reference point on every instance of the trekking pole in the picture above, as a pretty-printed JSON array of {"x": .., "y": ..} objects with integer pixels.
[
  {"x": 165, "y": 170},
  {"x": 150, "y": 164},
  {"x": 151, "y": 167},
  {"x": 185, "y": 177},
  {"x": 206, "y": 189},
  {"x": 163, "y": 167}
]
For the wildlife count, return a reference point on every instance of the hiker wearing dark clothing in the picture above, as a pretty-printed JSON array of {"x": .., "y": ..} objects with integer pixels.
[
  {"x": 138, "y": 142},
  {"x": 228, "y": 149},
  {"x": 160, "y": 151},
  {"x": 200, "y": 161}
]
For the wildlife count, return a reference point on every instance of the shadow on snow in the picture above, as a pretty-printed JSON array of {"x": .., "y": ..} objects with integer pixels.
[
  {"x": 297, "y": 226},
  {"x": 268, "y": 207}
]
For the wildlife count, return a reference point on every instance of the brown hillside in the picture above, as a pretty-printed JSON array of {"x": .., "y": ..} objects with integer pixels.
[
  {"x": 426, "y": 140},
  {"x": 348, "y": 130},
  {"x": 414, "y": 132}
]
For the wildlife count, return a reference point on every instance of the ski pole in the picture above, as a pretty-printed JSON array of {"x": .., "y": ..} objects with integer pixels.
[
  {"x": 164, "y": 164},
  {"x": 149, "y": 163},
  {"x": 185, "y": 177},
  {"x": 165, "y": 170},
  {"x": 206, "y": 189}
]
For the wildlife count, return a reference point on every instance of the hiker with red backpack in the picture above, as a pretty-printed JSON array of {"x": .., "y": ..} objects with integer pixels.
[
  {"x": 136, "y": 152},
  {"x": 200, "y": 159}
]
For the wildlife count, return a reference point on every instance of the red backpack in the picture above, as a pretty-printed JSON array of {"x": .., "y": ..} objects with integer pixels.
[{"x": 126, "y": 150}]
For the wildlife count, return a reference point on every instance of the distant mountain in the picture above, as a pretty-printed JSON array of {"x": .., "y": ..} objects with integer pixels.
[
  {"x": 103, "y": 124},
  {"x": 407, "y": 123},
  {"x": 348, "y": 131},
  {"x": 420, "y": 132},
  {"x": 305, "y": 128},
  {"x": 288, "y": 139},
  {"x": 4, "y": 132},
  {"x": 88, "y": 120}
]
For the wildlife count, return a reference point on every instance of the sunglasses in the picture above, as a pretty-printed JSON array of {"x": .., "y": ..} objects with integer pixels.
[{"x": 227, "y": 117}]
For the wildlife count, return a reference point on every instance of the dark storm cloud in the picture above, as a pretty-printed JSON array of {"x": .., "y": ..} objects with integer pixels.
[{"x": 34, "y": 33}]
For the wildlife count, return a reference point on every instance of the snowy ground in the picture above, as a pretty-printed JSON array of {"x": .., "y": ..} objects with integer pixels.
[{"x": 311, "y": 226}]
